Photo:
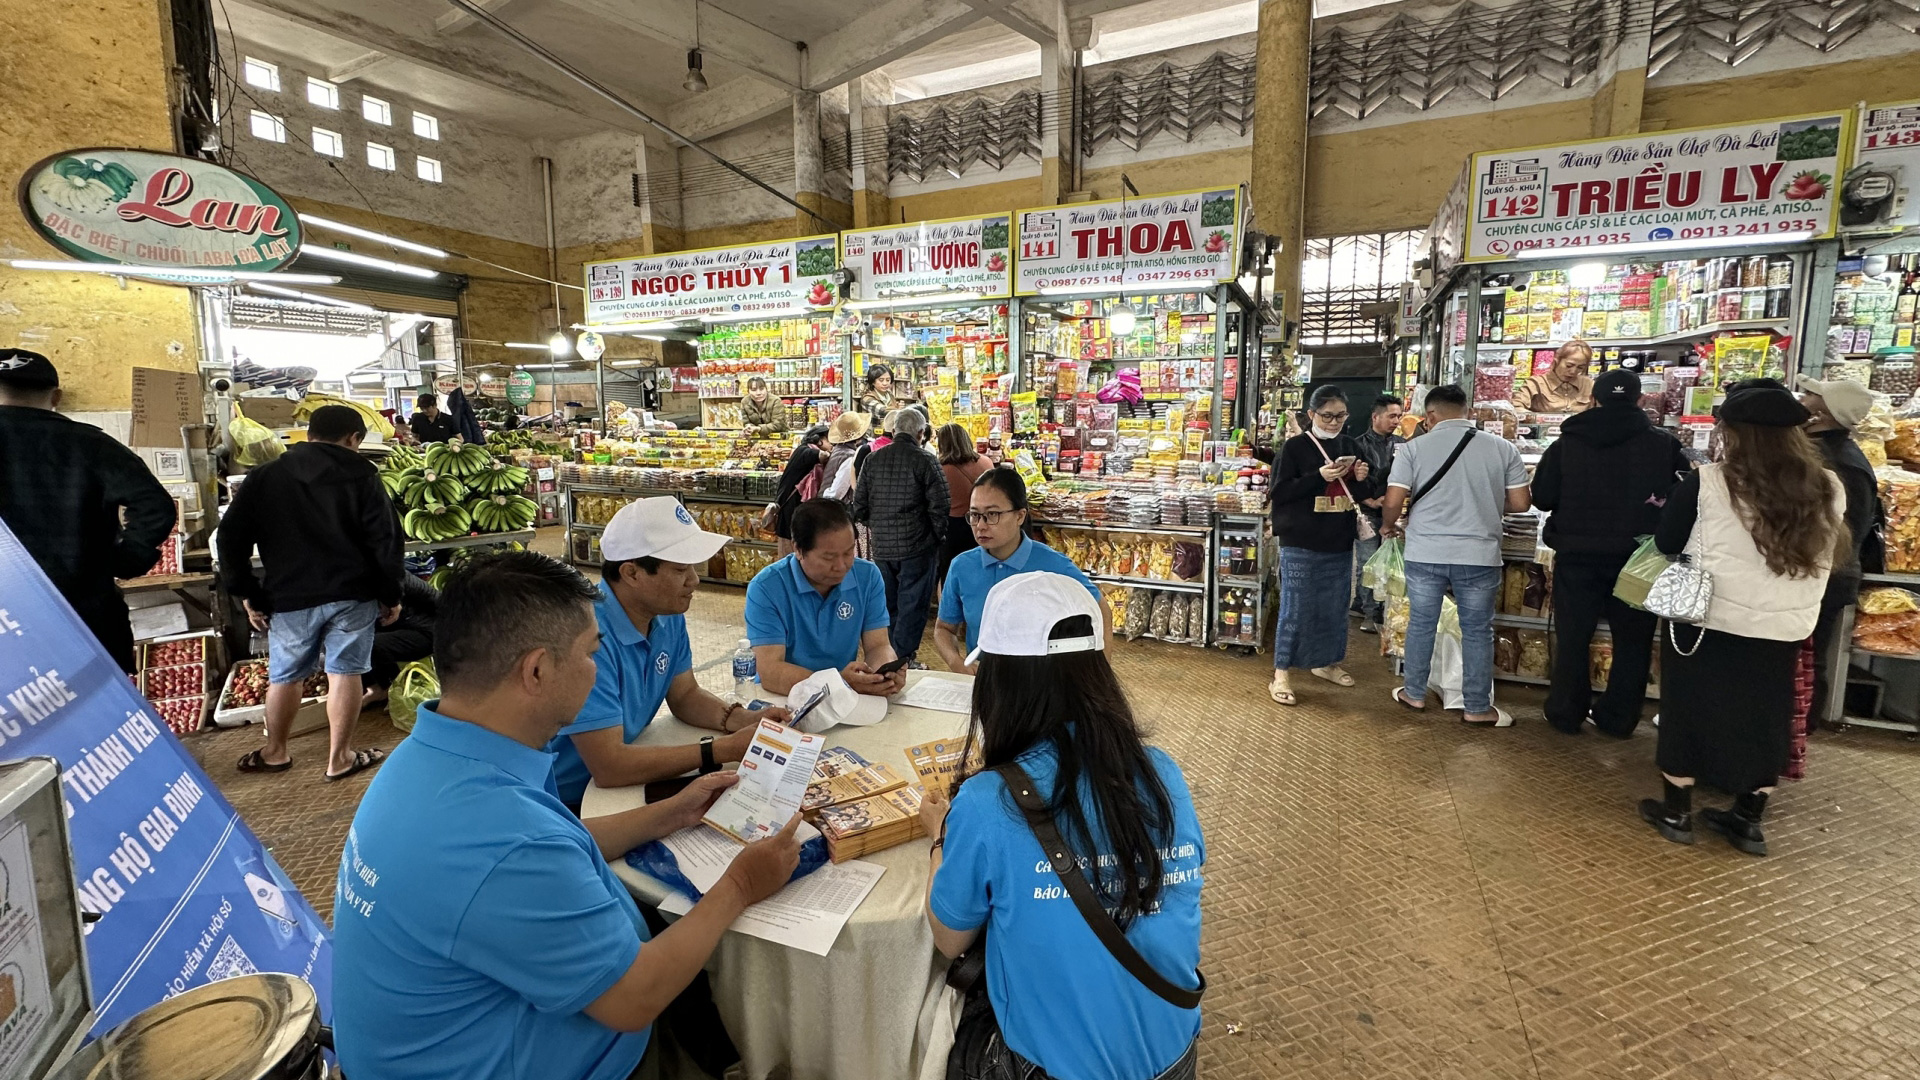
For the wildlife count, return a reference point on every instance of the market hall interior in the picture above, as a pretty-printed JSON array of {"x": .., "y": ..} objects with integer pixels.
[{"x": 1386, "y": 895}]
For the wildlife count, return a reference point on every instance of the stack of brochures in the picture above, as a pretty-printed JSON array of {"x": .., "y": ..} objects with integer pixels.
[
  {"x": 843, "y": 776},
  {"x": 938, "y": 766},
  {"x": 871, "y": 824}
]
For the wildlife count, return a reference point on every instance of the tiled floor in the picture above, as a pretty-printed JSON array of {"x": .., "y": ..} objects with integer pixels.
[{"x": 1392, "y": 896}]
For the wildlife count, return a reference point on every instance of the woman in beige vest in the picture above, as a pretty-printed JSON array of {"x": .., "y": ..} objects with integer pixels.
[{"x": 1764, "y": 523}]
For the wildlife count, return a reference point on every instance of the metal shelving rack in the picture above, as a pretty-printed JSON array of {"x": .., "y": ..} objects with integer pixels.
[
  {"x": 577, "y": 532},
  {"x": 1837, "y": 716},
  {"x": 1245, "y": 534},
  {"x": 1200, "y": 534}
]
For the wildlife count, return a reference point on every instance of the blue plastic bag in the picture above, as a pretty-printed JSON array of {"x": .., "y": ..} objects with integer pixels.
[{"x": 655, "y": 860}]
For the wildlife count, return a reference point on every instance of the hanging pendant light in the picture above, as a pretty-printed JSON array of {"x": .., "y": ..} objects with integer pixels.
[
  {"x": 696, "y": 80},
  {"x": 1121, "y": 320},
  {"x": 893, "y": 342}
]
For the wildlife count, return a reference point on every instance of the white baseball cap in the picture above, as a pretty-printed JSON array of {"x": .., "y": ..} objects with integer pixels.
[
  {"x": 839, "y": 704},
  {"x": 1022, "y": 611},
  {"x": 661, "y": 528}
]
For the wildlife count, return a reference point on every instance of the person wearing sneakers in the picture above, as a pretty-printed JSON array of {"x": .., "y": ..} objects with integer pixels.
[
  {"x": 1320, "y": 479},
  {"x": 1054, "y": 731},
  {"x": 1605, "y": 480},
  {"x": 1838, "y": 406},
  {"x": 1764, "y": 523},
  {"x": 1452, "y": 485},
  {"x": 652, "y": 556}
]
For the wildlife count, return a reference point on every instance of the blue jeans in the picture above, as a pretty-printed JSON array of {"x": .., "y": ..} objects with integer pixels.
[
  {"x": 1363, "y": 600},
  {"x": 1474, "y": 588},
  {"x": 338, "y": 636},
  {"x": 909, "y": 585}
]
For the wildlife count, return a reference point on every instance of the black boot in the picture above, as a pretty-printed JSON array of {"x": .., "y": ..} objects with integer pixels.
[
  {"x": 1674, "y": 817},
  {"x": 1741, "y": 824}
]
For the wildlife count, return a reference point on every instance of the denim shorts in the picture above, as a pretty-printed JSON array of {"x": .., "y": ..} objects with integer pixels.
[{"x": 340, "y": 632}]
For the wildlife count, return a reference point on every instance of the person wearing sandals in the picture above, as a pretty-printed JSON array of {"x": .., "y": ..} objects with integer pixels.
[
  {"x": 1090, "y": 974},
  {"x": 329, "y": 543},
  {"x": 1764, "y": 523},
  {"x": 1320, "y": 479},
  {"x": 1452, "y": 485}
]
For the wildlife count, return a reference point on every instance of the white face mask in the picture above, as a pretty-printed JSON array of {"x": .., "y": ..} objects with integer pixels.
[{"x": 1325, "y": 432}]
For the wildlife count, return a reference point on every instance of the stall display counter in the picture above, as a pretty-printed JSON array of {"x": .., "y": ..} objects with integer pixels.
[
  {"x": 1242, "y": 573},
  {"x": 729, "y": 503},
  {"x": 1882, "y": 689}
]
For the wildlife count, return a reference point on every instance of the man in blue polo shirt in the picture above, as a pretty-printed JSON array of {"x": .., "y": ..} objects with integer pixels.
[
  {"x": 821, "y": 607},
  {"x": 997, "y": 513},
  {"x": 653, "y": 553},
  {"x": 477, "y": 929}
]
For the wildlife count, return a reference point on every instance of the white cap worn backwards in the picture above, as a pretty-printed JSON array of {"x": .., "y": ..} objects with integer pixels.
[{"x": 1022, "y": 610}]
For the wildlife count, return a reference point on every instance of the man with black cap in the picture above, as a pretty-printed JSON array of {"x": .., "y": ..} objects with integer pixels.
[
  {"x": 330, "y": 546},
  {"x": 64, "y": 488},
  {"x": 1605, "y": 480},
  {"x": 1838, "y": 406}
]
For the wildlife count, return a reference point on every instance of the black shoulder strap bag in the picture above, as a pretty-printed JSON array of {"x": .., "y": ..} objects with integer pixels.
[
  {"x": 978, "y": 1052},
  {"x": 1445, "y": 466}
]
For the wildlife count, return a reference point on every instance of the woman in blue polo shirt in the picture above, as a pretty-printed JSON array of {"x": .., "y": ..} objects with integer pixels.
[
  {"x": 997, "y": 512},
  {"x": 1046, "y": 699}
]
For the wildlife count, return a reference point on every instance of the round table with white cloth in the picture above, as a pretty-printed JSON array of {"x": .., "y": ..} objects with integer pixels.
[{"x": 876, "y": 1007}]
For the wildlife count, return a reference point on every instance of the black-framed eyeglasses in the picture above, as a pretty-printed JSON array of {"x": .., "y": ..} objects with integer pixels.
[
  {"x": 1331, "y": 417},
  {"x": 987, "y": 517}
]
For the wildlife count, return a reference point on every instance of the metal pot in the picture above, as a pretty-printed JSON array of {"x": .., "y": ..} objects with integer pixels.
[{"x": 251, "y": 1027}]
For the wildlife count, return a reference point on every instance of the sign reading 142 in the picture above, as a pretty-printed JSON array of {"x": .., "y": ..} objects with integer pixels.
[{"x": 1513, "y": 188}]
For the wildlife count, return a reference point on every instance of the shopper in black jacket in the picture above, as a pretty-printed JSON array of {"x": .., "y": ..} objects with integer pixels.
[
  {"x": 330, "y": 543},
  {"x": 1605, "y": 480},
  {"x": 63, "y": 488},
  {"x": 1838, "y": 406},
  {"x": 1319, "y": 480}
]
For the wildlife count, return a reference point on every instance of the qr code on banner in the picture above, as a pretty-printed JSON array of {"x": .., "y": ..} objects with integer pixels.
[{"x": 229, "y": 961}]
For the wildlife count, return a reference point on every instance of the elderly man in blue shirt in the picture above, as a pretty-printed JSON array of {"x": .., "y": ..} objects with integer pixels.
[
  {"x": 478, "y": 931},
  {"x": 821, "y": 607},
  {"x": 653, "y": 553}
]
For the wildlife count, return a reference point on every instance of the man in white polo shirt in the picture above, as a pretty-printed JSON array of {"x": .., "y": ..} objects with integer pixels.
[
  {"x": 1464, "y": 481},
  {"x": 653, "y": 553}
]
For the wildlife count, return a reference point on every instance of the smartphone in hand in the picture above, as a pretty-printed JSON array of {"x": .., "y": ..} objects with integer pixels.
[{"x": 888, "y": 669}]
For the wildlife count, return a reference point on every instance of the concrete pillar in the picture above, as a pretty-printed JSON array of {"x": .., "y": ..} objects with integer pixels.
[
  {"x": 94, "y": 330},
  {"x": 867, "y": 101},
  {"x": 1617, "y": 103},
  {"x": 1280, "y": 136},
  {"x": 1056, "y": 107},
  {"x": 808, "y": 181}
]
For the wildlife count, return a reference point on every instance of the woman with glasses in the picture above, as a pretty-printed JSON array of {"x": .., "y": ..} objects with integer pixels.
[
  {"x": 997, "y": 513},
  {"x": 1319, "y": 478}
]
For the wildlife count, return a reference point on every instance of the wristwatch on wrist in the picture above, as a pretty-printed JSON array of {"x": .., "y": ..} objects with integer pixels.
[{"x": 707, "y": 764}]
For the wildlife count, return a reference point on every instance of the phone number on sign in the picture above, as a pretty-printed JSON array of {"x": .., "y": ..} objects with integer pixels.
[
  {"x": 1749, "y": 228},
  {"x": 1197, "y": 273},
  {"x": 1083, "y": 281}
]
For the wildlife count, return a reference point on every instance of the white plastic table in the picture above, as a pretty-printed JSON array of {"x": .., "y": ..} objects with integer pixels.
[{"x": 876, "y": 1007}]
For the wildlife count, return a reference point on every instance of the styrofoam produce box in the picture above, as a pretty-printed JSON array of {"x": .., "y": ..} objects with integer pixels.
[{"x": 311, "y": 716}]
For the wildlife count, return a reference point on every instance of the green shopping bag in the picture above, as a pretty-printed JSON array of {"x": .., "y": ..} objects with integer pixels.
[
  {"x": 1385, "y": 572},
  {"x": 1636, "y": 578},
  {"x": 416, "y": 684}
]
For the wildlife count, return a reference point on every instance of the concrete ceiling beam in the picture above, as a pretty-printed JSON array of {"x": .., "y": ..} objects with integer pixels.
[
  {"x": 457, "y": 20},
  {"x": 497, "y": 71},
  {"x": 731, "y": 104},
  {"x": 1024, "y": 17},
  {"x": 1086, "y": 9},
  {"x": 355, "y": 67},
  {"x": 719, "y": 34},
  {"x": 886, "y": 34}
]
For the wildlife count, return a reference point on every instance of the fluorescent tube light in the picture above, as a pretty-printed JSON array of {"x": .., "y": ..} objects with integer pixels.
[
  {"x": 369, "y": 234},
  {"x": 336, "y": 255}
]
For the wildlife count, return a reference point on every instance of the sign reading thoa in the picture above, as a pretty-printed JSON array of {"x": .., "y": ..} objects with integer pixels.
[
  {"x": 957, "y": 255},
  {"x": 1768, "y": 180},
  {"x": 1159, "y": 242},
  {"x": 143, "y": 208},
  {"x": 775, "y": 279}
]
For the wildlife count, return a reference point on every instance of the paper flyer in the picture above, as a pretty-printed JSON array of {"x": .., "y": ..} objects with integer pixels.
[{"x": 773, "y": 780}]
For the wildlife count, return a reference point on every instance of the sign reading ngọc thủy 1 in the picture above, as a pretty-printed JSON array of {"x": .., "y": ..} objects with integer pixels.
[
  {"x": 777, "y": 279},
  {"x": 1768, "y": 181}
]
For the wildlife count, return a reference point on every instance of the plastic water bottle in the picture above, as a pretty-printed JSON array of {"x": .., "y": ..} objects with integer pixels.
[{"x": 746, "y": 673}]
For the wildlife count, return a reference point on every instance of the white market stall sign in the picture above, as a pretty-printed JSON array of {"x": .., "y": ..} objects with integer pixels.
[
  {"x": 954, "y": 255},
  {"x": 777, "y": 279},
  {"x": 1185, "y": 240},
  {"x": 1752, "y": 183},
  {"x": 1890, "y": 144},
  {"x": 144, "y": 208}
]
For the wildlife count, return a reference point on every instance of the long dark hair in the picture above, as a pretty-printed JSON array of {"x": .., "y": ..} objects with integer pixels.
[
  {"x": 1074, "y": 702},
  {"x": 1783, "y": 493}
]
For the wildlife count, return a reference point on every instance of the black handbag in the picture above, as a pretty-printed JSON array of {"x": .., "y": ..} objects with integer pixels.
[{"x": 978, "y": 1050}]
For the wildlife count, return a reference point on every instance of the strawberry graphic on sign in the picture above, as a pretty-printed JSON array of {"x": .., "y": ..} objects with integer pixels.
[
  {"x": 1216, "y": 241},
  {"x": 821, "y": 295},
  {"x": 997, "y": 262},
  {"x": 1807, "y": 185}
]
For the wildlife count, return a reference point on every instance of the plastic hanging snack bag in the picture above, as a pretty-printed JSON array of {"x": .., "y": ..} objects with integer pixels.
[
  {"x": 254, "y": 443},
  {"x": 416, "y": 684},
  {"x": 1385, "y": 572},
  {"x": 1636, "y": 578}
]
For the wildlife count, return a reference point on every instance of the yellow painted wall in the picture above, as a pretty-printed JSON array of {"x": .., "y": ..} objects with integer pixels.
[
  {"x": 1003, "y": 196},
  {"x": 1782, "y": 93},
  {"x": 1215, "y": 168},
  {"x": 115, "y": 54}
]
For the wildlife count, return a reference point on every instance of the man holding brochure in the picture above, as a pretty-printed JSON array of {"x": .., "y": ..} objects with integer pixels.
[
  {"x": 652, "y": 554},
  {"x": 478, "y": 930}
]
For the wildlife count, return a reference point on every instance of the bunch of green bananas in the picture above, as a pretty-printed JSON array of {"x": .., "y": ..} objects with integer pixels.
[
  {"x": 503, "y": 513},
  {"x": 509, "y": 440},
  {"x": 499, "y": 478},
  {"x": 438, "y": 521},
  {"x": 427, "y": 486},
  {"x": 439, "y": 578},
  {"x": 456, "y": 457},
  {"x": 400, "y": 458},
  {"x": 395, "y": 482}
]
